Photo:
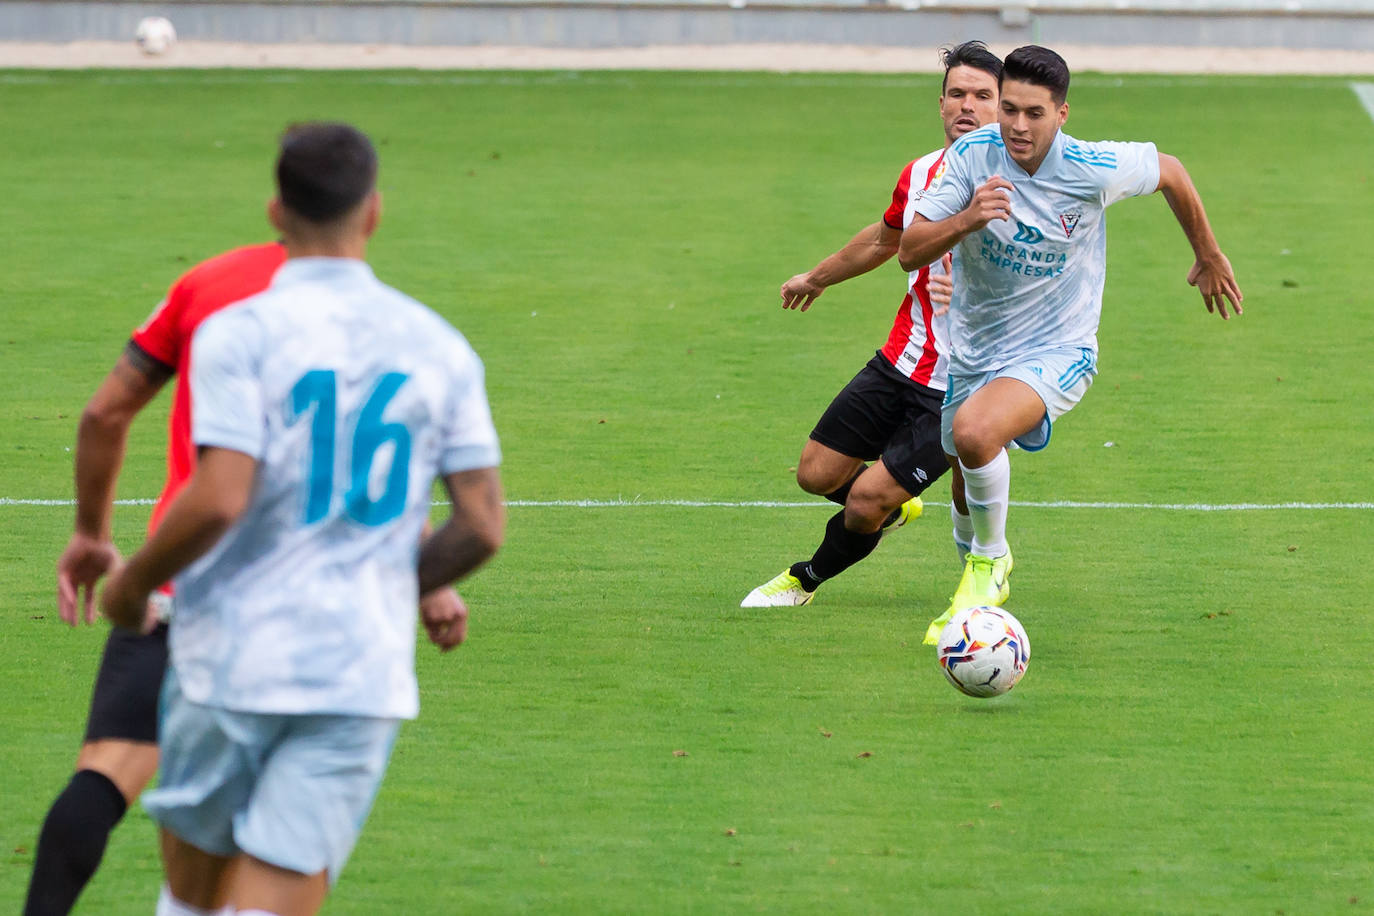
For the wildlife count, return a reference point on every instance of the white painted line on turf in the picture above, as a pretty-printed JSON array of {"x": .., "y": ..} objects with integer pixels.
[
  {"x": 1056, "y": 504},
  {"x": 812, "y": 504},
  {"x": 1365, "y": 93}
]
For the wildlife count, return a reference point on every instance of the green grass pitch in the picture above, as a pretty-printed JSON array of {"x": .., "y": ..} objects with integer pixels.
[{"x": 618, "y": 736}]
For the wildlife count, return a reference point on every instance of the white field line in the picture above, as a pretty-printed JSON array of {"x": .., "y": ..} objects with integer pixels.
[
  {"x": 1365, "y": 93},
  {"x": 813, "y": 504}
]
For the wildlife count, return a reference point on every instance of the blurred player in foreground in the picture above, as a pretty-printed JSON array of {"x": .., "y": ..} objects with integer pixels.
[
  {"x": 1023, "y": 205},
  {"x": 325, "y": 407},
  {"x": 890, "y": 411}
]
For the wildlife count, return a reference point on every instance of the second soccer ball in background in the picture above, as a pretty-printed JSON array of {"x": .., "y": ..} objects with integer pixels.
[{"x": 155, "y": 35}]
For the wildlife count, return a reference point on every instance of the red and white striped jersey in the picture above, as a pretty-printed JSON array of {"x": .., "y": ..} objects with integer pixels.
[{"x": 918, "y": 344}]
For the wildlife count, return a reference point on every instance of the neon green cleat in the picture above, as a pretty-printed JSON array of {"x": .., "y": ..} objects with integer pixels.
[
  {"x": 908, "y": 511},
  {"x": 984, "y": 584},
  {"x": 783, "y": 590}
]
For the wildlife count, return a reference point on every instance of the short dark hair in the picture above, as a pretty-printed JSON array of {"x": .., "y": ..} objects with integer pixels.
[
  {"x": 1039, "y": 67},
  {"x": 324, "y": 170},
  {"x": 970, "y": 54}
]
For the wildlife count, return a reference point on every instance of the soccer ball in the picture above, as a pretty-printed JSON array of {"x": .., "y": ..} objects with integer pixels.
[
  {"x": 983, "y": 651},
  {"x": 155, "y": 35}
]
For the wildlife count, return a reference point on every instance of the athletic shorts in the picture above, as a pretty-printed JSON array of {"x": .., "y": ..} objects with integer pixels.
[
  {"x": 1061, "y": 378},
  {"x": 124, "y": 700},
  {"x": 879, "y": 414},
  {"x": 290, "y": 790}
]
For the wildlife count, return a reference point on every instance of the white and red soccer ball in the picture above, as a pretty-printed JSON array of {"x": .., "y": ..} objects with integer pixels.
[{"x": 983, "y": 651}]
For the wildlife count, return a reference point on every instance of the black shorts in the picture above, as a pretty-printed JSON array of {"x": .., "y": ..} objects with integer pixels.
[
  {"x": 881, "y": 414},
  {"x": 124, "y": 701}
]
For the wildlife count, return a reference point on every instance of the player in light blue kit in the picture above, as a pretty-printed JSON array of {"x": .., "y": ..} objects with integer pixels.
[
  {"x": 324, "y": 409},
  {"x": 1022, "y": 205}
]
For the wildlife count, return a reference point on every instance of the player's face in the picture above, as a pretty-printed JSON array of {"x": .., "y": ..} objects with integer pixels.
[
  {"x": 1029, "y": 119},
  {"x": 969, "y": 101}
]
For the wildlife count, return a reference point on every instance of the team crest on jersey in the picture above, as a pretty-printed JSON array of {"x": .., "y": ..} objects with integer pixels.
[{"x": 1070, "y": 222}]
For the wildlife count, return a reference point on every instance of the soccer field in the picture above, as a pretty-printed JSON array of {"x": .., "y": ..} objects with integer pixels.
[{"x": 619, "y": 736}]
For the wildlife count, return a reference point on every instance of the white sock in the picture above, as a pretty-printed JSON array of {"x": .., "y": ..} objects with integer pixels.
[
  {"x": 963, "y": 532},
  {"x": 167, "y": 905},
  {"x": 988, "y": 490}
]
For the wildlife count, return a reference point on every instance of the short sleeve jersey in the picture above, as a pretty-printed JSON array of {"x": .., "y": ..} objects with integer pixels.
[
  {"x": 166, "y": 337},
  {"x": 1033, "y": 282},
  {"x": 917, "y": 345},
  {"x": 352, "y": 398}
]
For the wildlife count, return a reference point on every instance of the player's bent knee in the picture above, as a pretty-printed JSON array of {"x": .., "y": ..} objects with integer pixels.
[
  {"x": 977, "y": 442},
  {"x": 870, "y": 506},
  {"x": 822, "y": 472},
  {"x": 815, "y": 485},
  {"x": 816, "y": 479}
]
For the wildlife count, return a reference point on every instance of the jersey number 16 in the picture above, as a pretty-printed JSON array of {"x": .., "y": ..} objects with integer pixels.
[{"x": 319, "y": 388}]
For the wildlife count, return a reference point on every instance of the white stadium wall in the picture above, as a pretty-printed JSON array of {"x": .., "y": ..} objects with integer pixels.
[{"x": 1338, "y": 25}]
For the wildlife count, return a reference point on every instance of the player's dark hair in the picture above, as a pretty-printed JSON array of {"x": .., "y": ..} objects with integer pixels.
[
  {"x": 1039, "y": 67},
  {"x": 324, "y": 170},
  {"x": 969, "y": 54}
]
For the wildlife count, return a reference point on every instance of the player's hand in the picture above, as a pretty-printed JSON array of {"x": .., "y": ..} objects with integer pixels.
[
  {"x": 991, "y": 201},
  {"x": 445, "y": 617},
  {"x": 800, "y": 292},
  {"x": 941, "y": 286},
  {"x": 81, "y": 565},
  {"x": 1215, "y": 279},
  {"x": 124, "y": 604}
]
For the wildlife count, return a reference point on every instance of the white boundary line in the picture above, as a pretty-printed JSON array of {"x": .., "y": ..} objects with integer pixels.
[
  {"x": 1365, "y": 93},
  {"x": 813, "y": 504}
]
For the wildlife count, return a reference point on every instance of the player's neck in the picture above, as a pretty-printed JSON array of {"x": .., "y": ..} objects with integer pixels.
[{"x": 353, "y": 248}]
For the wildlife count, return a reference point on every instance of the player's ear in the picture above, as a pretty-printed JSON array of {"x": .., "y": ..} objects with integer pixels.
[
  {"x": 1063, "y": 113},
  {"x": 372, "y": 213},
  {"x": 275, "y": 215}
]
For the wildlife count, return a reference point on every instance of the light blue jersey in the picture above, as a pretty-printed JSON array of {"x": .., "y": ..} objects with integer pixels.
[
  {"x": 353, "y": 398},
  {"x": 1033, "y": 283}
]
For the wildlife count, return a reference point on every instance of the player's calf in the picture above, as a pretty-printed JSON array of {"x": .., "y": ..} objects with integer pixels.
[{"x": 72, "y": 842}]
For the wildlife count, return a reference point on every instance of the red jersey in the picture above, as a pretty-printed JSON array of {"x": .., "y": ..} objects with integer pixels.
[
  {"x": 918, "y": 344},
  {"x": 166, "y": 337}
]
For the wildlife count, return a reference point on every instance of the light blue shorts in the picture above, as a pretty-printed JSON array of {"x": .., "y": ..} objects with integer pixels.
[
  {"x": 1060, "y": 377},
  {"x": 290, "y": 790}
]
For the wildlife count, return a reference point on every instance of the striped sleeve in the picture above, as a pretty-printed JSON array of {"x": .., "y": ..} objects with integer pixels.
[{"x": 895, "y": 217}]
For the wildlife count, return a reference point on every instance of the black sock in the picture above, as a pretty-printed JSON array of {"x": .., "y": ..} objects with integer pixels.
[
  {"x": 842, "y": 493},
  {"x": 72, "y": 841},
  {"x": 802, "y": 573},
  {"x": 840, "y": 549}
]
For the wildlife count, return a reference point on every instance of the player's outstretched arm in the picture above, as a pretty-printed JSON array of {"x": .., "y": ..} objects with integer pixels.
[
  {"x": 213, "y": 499},
  {"x": 100, "y": 440},
  {"x": 473, "y": 533},
  {"x": 923, "y": 241},
  {"x": 1211, "y": 272},
  {"x": 872, "y": 247}
]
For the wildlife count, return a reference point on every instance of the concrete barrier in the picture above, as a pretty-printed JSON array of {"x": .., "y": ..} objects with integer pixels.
[{"x": 1333, "y": 25}]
